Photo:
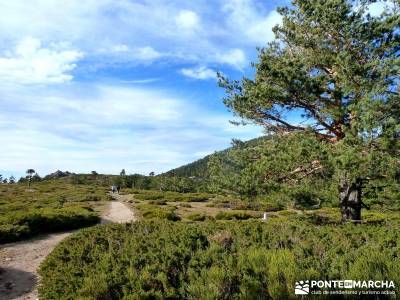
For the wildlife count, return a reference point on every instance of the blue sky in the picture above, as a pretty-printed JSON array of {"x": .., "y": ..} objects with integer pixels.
[{"x": 110, "y": 84}]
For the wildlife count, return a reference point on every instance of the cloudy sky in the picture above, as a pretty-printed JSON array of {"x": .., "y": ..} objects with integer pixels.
[{"x": 110, "y": 84}]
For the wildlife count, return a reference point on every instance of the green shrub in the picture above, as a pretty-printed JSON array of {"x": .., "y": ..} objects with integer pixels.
[
  {"x": 322, "y": 216},
  {"x": 92, "y": 197},
  {"x": 223, "y": 215},
  {"x": 373, "y": 217},
  {"x": 197, "y": 217},
  {"x": 26, "y": 223},
  {"x": 257, "y": 205},
  {"x": 12, "y": 232},
  {"x": 47, "y": 206},
  {"x": 170, "y": 196},
  {"x": 215, "y": 260},
  {"x": 287, "y": 213},
  {"x": 166, "y": 212},
  {"x": 156, "y": 196},
  {"x": 161, "y": 214},
  {"x": 222, "y": 205},
  {"x": 158, "y": 202}
]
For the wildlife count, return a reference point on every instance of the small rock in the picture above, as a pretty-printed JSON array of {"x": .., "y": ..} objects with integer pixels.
[{"x": 8, "y": 259}]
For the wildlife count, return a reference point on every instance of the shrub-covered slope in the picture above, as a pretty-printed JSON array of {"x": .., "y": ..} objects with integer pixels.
[
  {"x": 199, "y": 168},
  {"x": 47, "y": 206},
  {"x": 215, "y": 260}
]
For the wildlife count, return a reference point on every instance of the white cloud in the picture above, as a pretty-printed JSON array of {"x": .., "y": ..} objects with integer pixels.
[
  {"x": 122, "y": 53},
  {"x": 233, "y": 57},
  {"x": 120, "y": 48},
  {"x": 146, "y": 53},
  {"x": 260, "y": 31},
  {"x": 141, "y": 31},
  {"x": 200, "y": 72},
  {"x": 89, "y": 126},
  {"x": 141, "y": 81},
  {"x": 187, "y": 19},
  {"x": 256, "y": 25},
  {"x": 31, "y": 63},
  {"x": 107, "y": 128}
]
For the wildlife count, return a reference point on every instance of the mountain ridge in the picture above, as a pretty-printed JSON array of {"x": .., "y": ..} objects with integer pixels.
[{"x": 198, "y": 168}]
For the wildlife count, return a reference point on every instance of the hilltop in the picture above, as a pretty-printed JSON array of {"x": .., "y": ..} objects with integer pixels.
[{"x": 199, "y": 167}]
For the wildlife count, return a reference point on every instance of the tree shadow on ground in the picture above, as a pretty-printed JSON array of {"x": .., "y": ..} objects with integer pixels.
[{"x": 15, "y": 283}]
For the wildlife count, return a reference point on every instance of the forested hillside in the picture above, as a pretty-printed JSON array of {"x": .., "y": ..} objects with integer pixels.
[{"x": 199, "y": 168}]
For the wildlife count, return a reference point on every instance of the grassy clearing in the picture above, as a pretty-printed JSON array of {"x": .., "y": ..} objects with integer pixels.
[
  {"x": 47, "y": 206},
  {"x": 224, "y": 260}
]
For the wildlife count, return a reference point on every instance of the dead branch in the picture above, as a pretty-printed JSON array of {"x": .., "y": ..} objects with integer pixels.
[{"x": 304, "y": 170}]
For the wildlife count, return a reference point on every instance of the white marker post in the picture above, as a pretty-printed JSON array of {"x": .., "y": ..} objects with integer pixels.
[{"x": 265, "y": 217}]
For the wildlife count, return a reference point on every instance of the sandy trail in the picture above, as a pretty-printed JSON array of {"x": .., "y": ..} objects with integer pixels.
[
  {"x": 118, "y": 213},
  {"x": 19, "y": 261}
]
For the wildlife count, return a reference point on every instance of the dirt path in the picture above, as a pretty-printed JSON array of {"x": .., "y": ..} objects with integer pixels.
[
  {"x": 118, "y": 213},
  {"x": 19, "y": 261}
]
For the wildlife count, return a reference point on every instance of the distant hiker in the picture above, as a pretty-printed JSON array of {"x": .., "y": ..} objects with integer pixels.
[
  {"x": 113, "y": 189},
  {"x": 118, "y": 188}
]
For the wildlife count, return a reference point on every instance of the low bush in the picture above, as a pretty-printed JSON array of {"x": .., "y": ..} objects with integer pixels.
[
  {"x": 158, "y": 202},
  {"x": 27, "y": 223},
  {"x": 47, "y": 206},
  {"x": 170, "y": 196},
  {"x": 287, "y": 213},
  {"x": 160, "y": 215},
  {"x": 223, "y": 215},
  {"x": 374, "y": 217},
  {"x": 92, "y": 197},
  {"x": 149, "y": 211},
  {"x": 257, "y": 205},
  {"x": 13, "y": 232},
  {"x": 221, "y": 205},
  {"x": 216, "y": 260},
  {"x": 198, "y": 217},
  {"x": 149, "y": 196},
  {"x": 322, "y": 216}
]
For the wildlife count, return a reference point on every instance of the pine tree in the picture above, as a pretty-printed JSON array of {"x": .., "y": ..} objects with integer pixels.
[
  {"x": 11, "y": 180},
  {"x": 336, "y": 68},
  {"x": 30, "y": 173}
]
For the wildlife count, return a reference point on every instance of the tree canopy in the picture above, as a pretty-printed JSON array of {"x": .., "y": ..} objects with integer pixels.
[{"x": 333, "y": 73}]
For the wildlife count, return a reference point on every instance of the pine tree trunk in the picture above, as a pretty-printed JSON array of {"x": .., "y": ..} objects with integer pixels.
[{"x": 350, "y": 200}]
